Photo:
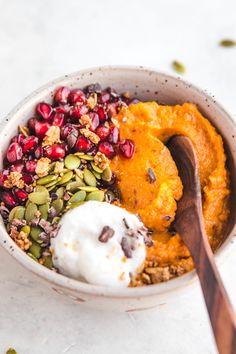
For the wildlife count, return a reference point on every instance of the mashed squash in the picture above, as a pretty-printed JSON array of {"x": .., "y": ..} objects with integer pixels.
[{"x": 150, "y": 126}]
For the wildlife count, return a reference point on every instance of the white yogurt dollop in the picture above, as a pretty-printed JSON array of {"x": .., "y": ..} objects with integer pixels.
[{"x": 78, "y": 253}]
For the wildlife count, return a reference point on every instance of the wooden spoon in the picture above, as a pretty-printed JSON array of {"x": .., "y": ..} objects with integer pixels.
[{"x": 189, "y": 224}]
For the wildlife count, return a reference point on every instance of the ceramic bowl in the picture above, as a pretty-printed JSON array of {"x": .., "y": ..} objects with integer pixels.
[{"x": 146, "y": 84}]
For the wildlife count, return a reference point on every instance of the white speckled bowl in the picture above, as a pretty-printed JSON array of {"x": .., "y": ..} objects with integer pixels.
[{"x": 146, "y": 84}]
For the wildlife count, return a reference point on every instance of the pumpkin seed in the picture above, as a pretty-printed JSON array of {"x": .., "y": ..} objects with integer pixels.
[
  {"x": 35, "y": 250},
  {"x": 35, "y": 232},
  {"x": 51, "y": 167},
  {"x": 84, "y": 156},
  {"x": 79, "y": 173},
  {"x": 89, "y": 178},
  {"x": 96, "y": 195},
  {"x": 44, "y": 211},
  {"x": 56, "y": 219},
  {"x": 30, "y": 211},
  {"x": 60, "y": 192},
  {"x": 66, "y": 178},
  {"x": 77, "y": 197},
  {"x": 40, "y": 196},
  {"x": 74, "y": 205},
  {"x": 96, "y": 168},
  {"x": 11, "y": 351},
  {"x": 58, "y": 205},
  {"x": 53, "y": 183},
  {"x": 32, "y": 256},
  {"x": 72, "y": 162},
  {"x": 47, "y": 262},
  {"x": 51, "y": 188},
  {"x": 97, "y": 175},
  {"x": 47, "y": 179},
  {"x": 17, "y": 213},
  {"x": 107, "y": 174},
  {"x": 88, "y": 188},
  {"x": 73, "y": 186},
  {"x": 227, "y": 43},
  {"x": 178, "y": 67},
  {"x": 26, "y": 229}
]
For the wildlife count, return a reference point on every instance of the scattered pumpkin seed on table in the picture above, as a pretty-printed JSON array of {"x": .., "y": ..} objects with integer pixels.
[
  {"x": 178, "y": 67},
  {"x": 72, "y": 162},
  {"x": 227, "y": 43}
]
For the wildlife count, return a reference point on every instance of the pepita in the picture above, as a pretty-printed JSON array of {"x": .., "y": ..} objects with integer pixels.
[
  {"x": 107, "y": 174},
  {"x": 77, "y": 197},
  {"x": 178, "y": 67},
  {"x": 96, "y": 168},
  {"x": 227, "y": 43},
  {"x": 32, "y": 256},
  {"x": 26, "y": 229},
  {"x": 35, "y": 250},
  {"x": 88, "y": 189},
  {"x": 56, "y": 219},
  {"x": 60, "y": 192},
  {"x": 96, "y": 195},
  {"x": 57, "y": 205},
  {"x": 17, "y": 213},
  {"x": 66, "y": 178},
  {"x": 89, "y": 178},
  {"x": 47, "y": 262},
  {"x": 35, "y": 232},
  {"x": 75, "y": 205},
  {"x": 30, "y": 211},
  {"x": 97, "y": 175},
  {"x": 84, "y": 156},
  {"x": 53, "y": 183},
  {"x": 40, "y": 196},
  {"x": 73, "y": 186},
  {"x": 47, "y": 179},
  {"x": 72, "y": 162},
  {"x": 44, "y": 211}
]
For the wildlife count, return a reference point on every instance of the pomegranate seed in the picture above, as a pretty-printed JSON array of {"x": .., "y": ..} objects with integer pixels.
[
  {"x": 111, "y": 110},
  {"x": 38, "y": 152},
  {"x": 62, "y": 109},
  {"x": 107, "y": 149},
  {"x": 27, "y": 178},
  {"x": 102, "y": 114},
  {"x": 20, "y": 194},
  {"x": 41, "y": 128},
  {"x": 44, "y": 110},
  {"x": 127, "y": 148},
  {"x": 31, "y": 124},
  {"x": 55, "y": 151},
  {"x": 62, "y": 94},
  {"x": 8, "y": 199},
  {"x": 102, "y": 132},
  {"x": 18, "y": 167},
  {"x": 104, "y": 97},
  {"x": 95, "y": 120},
  {"x": 3, "y": 177},
  {"x": 66, "y": 130},
  {"x": 14, "y": 153},
  {"x": 77, "y": 96},
  {"x": 30, "y": 166},
  {"x": 83, "y": 144},
  {"x": 18, "y": 138},
  {"x": 78, "y": 111},
  {"x": 114, "y": 135},
  {"x": 58, "y": 120},
  {"x": 30, "y": 143}
]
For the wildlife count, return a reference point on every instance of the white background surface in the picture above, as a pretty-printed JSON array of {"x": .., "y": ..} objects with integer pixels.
[{"x": 41, "y": 40}]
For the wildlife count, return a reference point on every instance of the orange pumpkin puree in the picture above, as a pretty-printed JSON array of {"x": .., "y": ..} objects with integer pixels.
[{"x": 150, "y": 125}]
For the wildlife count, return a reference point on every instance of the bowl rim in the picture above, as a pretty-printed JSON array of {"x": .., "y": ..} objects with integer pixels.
[{"x": 57, "y": 279}]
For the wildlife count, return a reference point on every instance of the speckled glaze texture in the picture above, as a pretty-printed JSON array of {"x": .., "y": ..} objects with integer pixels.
[{"x": 146, "y": 84}]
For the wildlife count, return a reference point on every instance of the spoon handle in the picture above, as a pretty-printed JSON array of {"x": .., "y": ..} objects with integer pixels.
[{"x": 219, "y": 308}]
